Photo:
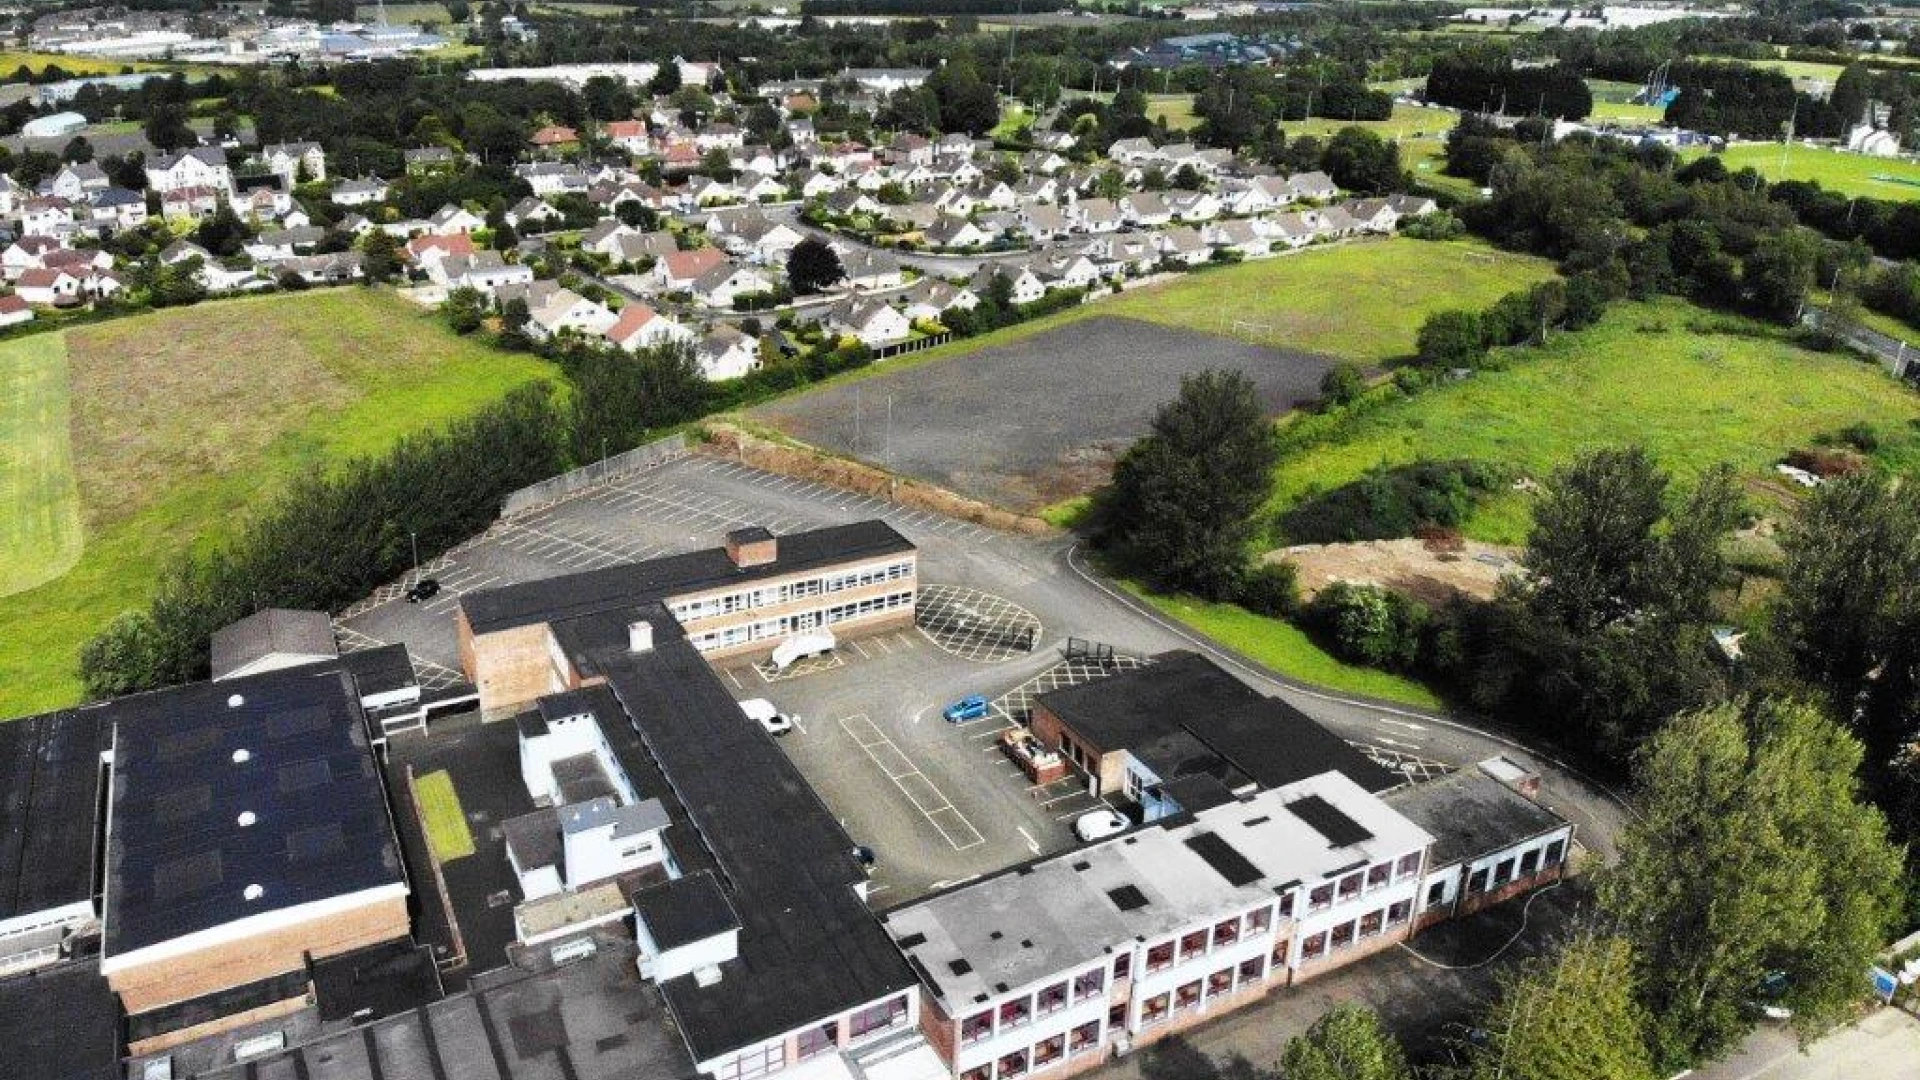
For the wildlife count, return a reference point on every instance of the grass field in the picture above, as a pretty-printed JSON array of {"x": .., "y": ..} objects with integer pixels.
[
  {"x": 1176, "y": 108},
  {"x": 1614, "y": 101},
  {"x": 1804, "y": 74},
  {"x": 40, "y": 533},
  {"x": 36, "y": 62},
  {"x": 1692, "y": 397},
  {"x": 441, "y": 816},
  {"x": 184, "y": 420},
  {"x": 405, "y": 14},
  {"x": 1849, "y": 174},
  {"x": 1287, "y": 649},
  {"x": 1011, "y": 117},
  {"x": 1407, "y": 121}
]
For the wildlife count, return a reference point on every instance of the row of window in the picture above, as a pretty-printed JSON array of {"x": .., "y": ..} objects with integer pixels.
[
  {"x": 1197, "y": 943},
  {"x": 814, "y": 1041},
  {"x": 1084, "y": 1039},
  {"x": 769, "y": 595},
  {"x": 1378, "y": 876},
  {"x": 1026, "y": 1008},
  {"x": 1344, "y": 936},
  {"x": 1161, "y": 1007},
  {"x": 798, "y": 622},
  {"x": 1525, "y": 865}
]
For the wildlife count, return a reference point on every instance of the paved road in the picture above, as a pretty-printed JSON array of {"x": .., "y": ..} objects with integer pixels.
[{"x": 1883, "y": 1046}]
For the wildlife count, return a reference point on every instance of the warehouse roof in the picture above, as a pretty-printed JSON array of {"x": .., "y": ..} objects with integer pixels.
[
  {"x": 49, "y": 794},
  {"x": 1470, "y": 814},
  {"x": 630, "y": 584},
  {"x": 237, "y": 798}
]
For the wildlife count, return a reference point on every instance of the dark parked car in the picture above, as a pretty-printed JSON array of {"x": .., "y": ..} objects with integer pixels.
[{"x": 424, "y": 589}]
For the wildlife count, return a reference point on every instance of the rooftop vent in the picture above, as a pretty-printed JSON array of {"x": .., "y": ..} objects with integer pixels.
[
  {"x": 639, "y": 636},
  {"x": 753, "y": 546},
  {"x": 708, "y": 975},
  {"x": 242, "y": 756},
  {"x": 234, "y": 701},
  {"x": 247, "y": 818},
  {"x": 253, "y": 892}
]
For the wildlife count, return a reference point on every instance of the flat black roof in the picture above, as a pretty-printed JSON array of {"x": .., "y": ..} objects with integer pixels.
[
  {"x": 289, "y": 750},
  {"x": 380, "y": 980},
  {"x": 49, "y": 809},
  {"x": 808, "y": 946},
  {"x": 624, "y": 586},
  {"x": 1329, "y": 821},
  {"x": 1224, "y": 858},
  {"x": 60, "y": 1023},
  {"x": 1184, "y": 715},
  {"x": 685, "y": 910},
  {"x": 1471, "y": 814}
]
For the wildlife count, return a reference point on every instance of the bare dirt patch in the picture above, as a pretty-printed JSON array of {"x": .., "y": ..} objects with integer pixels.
[{"x": 1405, "y": 566}]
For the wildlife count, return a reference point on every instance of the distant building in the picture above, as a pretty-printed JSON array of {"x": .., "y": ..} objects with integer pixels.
[{"x": 54, "y": 125}]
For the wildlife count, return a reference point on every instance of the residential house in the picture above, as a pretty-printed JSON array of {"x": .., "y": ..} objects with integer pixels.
[
  {"x": 332, "y": 268},
  {"x": 14, "y": 310},
  {"x": 276, "y": 244},
  {"x": 566, "y": 311},
  {"x": 181, "y": 251},
  {"x": 955, "y": 232},
  {"x": 46, "y": 215},
  {"x": 870, "y": 271},
  {"x": 1412, "y": 206},
  {"x": 1026, "y": 285},
  {"x": 630, "y": 136},
  {"x": 48, "y": 287},
  {"x": 76, "y": 182},
  {"x": 930, "y": 298},
  {"x": 1372, "y": 215},
  {"x": 1063, "y": 269},
  {"x": 875, "y": 322},
  {"x": 27, "y": 253},
  {"x": 532, "y": 213},
  {"x": 113, "y": 209},
  {"x": 1240, "y": 236},
  {"x": 1256, "y": 195},
  {"x": 728, "y": 282},
  {"x": 719, "y": 137},
  {"x": 428, "y": 159},
  {"x": 678, "y": 270},
  {"x": 850, "y": 201},
  {"x": 1043, "y": 221},
  {"x": 1095, "y": 216},
  {"x": 1293, "y": 230},
  {"x": 261, "y": 199},
  {"x": 555, "y": 137},
  {"x": 1184, "y": 244},
  {"x": 641, "y": 327},
  {"x": 451, "y": 220},
  {"x": 1134, "y": 152},
  {"x": 727, "y": 353},
  {"x": 1312, "y": 185},
  {"x": 190, "y": 202},
  {"x": 290, "y": 160},
  {"x": 1145, "y": 209},
  {"x": 202, "y": 166},
  {"x": 820, "y": 183},
  {"x": 553, "y": 177},
  {"x": 362, "y": 192},
  {"x": 427, "y": 250},
  {"x": 487, "y": 271},
  {"x": 633, "y": 247},
  {"x": 1193, "y": 206}
]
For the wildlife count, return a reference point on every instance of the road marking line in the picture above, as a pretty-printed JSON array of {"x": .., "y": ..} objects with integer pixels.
[{"x": 1032, "y": 844}]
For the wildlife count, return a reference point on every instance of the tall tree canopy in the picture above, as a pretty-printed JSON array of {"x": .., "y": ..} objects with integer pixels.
[
  {"x": 1570, "y": 1016},
  {"x": 1348, "y": 1043}
]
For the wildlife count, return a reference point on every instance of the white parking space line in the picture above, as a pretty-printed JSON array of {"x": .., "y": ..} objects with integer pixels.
[{"x": 925, "y": 796}]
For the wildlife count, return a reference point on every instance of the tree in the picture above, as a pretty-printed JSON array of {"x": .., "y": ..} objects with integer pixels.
[
  {"x": 1779, "y": 273},
  {"x": 1342, "y": 383},
  {"x": 965, "y": 101},
  {"x": 665, "y": 81},
  {"x": 78, "y": 150},
  {"x": 123, "y": 658},
  {"x": 1347, "y": 1043},
  {"x": 1359, "y": 160},
  {"x": 380, "y": 255},
  {"x": 812, "y": 266},
  {"x": 1183, "y": 501},
  {"x": 1570, "y": 1016},
  {"x": 465, "y": 309},
  {"x": 1452, "y": 339},
  {"x": 167, "y": 129},
  {"x": 1750, "y": 861}
]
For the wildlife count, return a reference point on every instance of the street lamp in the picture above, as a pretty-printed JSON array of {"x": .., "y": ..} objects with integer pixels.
[{"x": 413, "y": 538}]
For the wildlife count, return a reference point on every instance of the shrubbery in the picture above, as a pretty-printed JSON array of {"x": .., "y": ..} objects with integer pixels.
[
  {"x": 1367, "y": 624},
  {"x": 1390, "y": 502}
]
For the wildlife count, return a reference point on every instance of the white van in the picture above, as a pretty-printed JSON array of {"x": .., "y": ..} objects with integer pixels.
[
  {"x": 761, "y": 711},
  {"x": 801, "y": 646}
]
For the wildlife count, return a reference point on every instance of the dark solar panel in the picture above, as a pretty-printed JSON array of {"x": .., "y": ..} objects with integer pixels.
[
  {"x": 960, "y": 967},
  {"x": 182, "y": 744},
  {"x": 188, "y": 802},
  {"x": 1227, "y": 862},
  {"x": 913, "y": 941},
  {"x": 301, "y": 721},
  {"x": 185, "y": 876},
  {"x": 1127, "y": 898},
  {"x": 305, "y": 774},
  {"x": 1329, "y": 821},
  {"x": 315, "y": 843}
]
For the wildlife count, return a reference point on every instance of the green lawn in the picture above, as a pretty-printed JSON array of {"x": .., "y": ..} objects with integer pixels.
[
  {"x": 1011, "y": 118},
  {"x": 1692, "y": 397},
  {"x": 1176, "y": 108},
  {"x": 1614, "y": 101},
  {"x": 1287, "y": 649},
  {"x": 1407, "y": 121},
  {"x": 408, "y": 14},
  {"x": 36, "y": 62},
  {"x": 183, "y": 421},
  {"x": 440, "y": 814},
  {"x": 1836, "y": 170},
  {"x": 40, "y": 532}
]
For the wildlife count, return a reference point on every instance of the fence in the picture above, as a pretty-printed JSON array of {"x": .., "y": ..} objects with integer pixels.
[
  {"x": 1894, "y": 354},
  {"x": 572, "y": 483},
  {"x": 916, "y": 345}
]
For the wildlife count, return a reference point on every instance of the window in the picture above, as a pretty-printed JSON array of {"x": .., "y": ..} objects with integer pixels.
[
  {"x": 1253, "y": 970},
  {"x": 1050, "y": 1051},
  {"x": 1529, "y": 863},
  {"x": 1350, "y": 886},
  {"x": 1084, "y": 1038},
  {"x": 889, "y": 1013},
  {"x": 1153, "y": 1010},
  {"x": 1193, "y": 945},
  {"x": 1554, "y": 852},
  {"x": 1117, "y": 1016},
  {"x": 1089, "y": 984},
  {"x": 1226, "y": 933},
  {"x": 1280, "y": 953},
  {"x": 1160, "y": 957},
  {"x": 984, "y": 1072},
  {"x": 1398, "y": 911},
  {"x": 1187, "y": 996},
  {"x": 1436, "y": 894},
  {"x": 1371, "y": 922},
  {"x": 1260, "y": 920},
  {"x": 1014, "y": 1064},
  {"x": 1379, "y": 875},
  {"x": 753, "y": 1063},
  {"x": 1320, "y": 899},
  {"x": 976, "y": 1027},
  {"x": 1220, "y": 982},
  {"x": 816, "y": 1040},
  {"x": 1478, "y": 882},
  {"x": 1311, "y": 948},
  {"x": 1503, "y": 873},
  {"x": 1409, "y": 864},
  {"x": 1122, "y": 966},
  {"x": 1342, "y": 937},
  {"x": 1014, "y": 1013},
  {"x": 1286, "y": 906},
  {"x": 1052, "y": 999}
]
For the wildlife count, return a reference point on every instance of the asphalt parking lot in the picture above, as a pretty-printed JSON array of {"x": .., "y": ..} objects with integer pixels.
[
  {"x": 937, "y": 802},
  {"x": 1033, "y": 421}
]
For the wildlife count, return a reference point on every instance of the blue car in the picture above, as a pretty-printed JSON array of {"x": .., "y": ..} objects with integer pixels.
[{"x": 973, "y": 707}]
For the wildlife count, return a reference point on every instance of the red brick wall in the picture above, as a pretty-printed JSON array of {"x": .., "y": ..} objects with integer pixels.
[{"x": 1481, "y": 901}]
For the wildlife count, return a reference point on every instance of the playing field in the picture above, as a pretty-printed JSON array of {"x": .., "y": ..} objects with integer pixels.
[
  {"x": 12, "y": 60},
  {"x": 1407, "y": 121},
  {"x": 1655, "y": 374},
  {"x": 1176, "y": 109},
  {"x": 183, "y": 421},
  {"x": 1614, "y": 101},
  {"x": 1836, "y": 170},
  {"x": 40, "y": 530}
]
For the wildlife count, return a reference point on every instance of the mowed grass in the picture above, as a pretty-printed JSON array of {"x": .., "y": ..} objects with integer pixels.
[
  {"x": 441, "y": 816},
  {"x": 1836, "y": 170},
  {"x": 40, "y": 529},
  {"x": 1407, "y": 122},
  {"x": 185, "y": 421},
  {"x": 405, "y": 14},
  {"x": 12, "y": 60},
  {"x": 1286, "y": 648},
  {"x": 1644, "y": 375},
  {"x": 1176, "y": 109},
  {"x": 1357, "y": 301}
]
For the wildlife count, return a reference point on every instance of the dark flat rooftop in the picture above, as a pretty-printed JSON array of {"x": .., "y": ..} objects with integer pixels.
[
  {"x": 1470, "y": 814},
  {"x": 629, "y": 584},
  {"x": 809, "y": 946},
  {"x": 685, "y": 910},
  {"x": 49, "y": 804},
  {"x": 379, "y": 980},
  {"x": 293, "y": 753},
  {"x": 1135, "y": 707},
  {"x": 59, "y": 1023}
]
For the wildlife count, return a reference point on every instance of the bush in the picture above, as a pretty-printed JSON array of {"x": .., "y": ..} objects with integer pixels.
[
  {"x": 1370, "y": 625},
  {"x": 1439, "y": 225},
  {"x": 1342, "y": 383},
  {"x": 1452, "y": 339},
  {"x": 1390, "y": 502},
  {"x": 1269, "y": 588}
]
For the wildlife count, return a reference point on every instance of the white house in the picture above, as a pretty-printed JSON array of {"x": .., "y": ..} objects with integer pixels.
[
  {"x": 14, "y": 310},
  {"x": 728, "y": 282},
  {"x": 360, "y": 192},
  {"x": 874, "y": 322},
  {"x": 565, "y": 310},
  {"x": 202, "y": 166},
  {"x": 289, "y": 160},
  {"x": 641, "y": 327},
  {"x": 727, "y": 353},
  {"x": 870, "y": 271}
]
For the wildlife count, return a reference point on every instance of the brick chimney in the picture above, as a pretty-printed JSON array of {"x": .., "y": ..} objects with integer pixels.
[{"x": 754, "y": 546}]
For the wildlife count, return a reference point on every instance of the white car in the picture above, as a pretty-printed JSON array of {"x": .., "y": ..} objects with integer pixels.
[
  {"x": 762, "y": 711},
  {"x": 800, "y": 646},
  {"x": 1100, "y": 824}
]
